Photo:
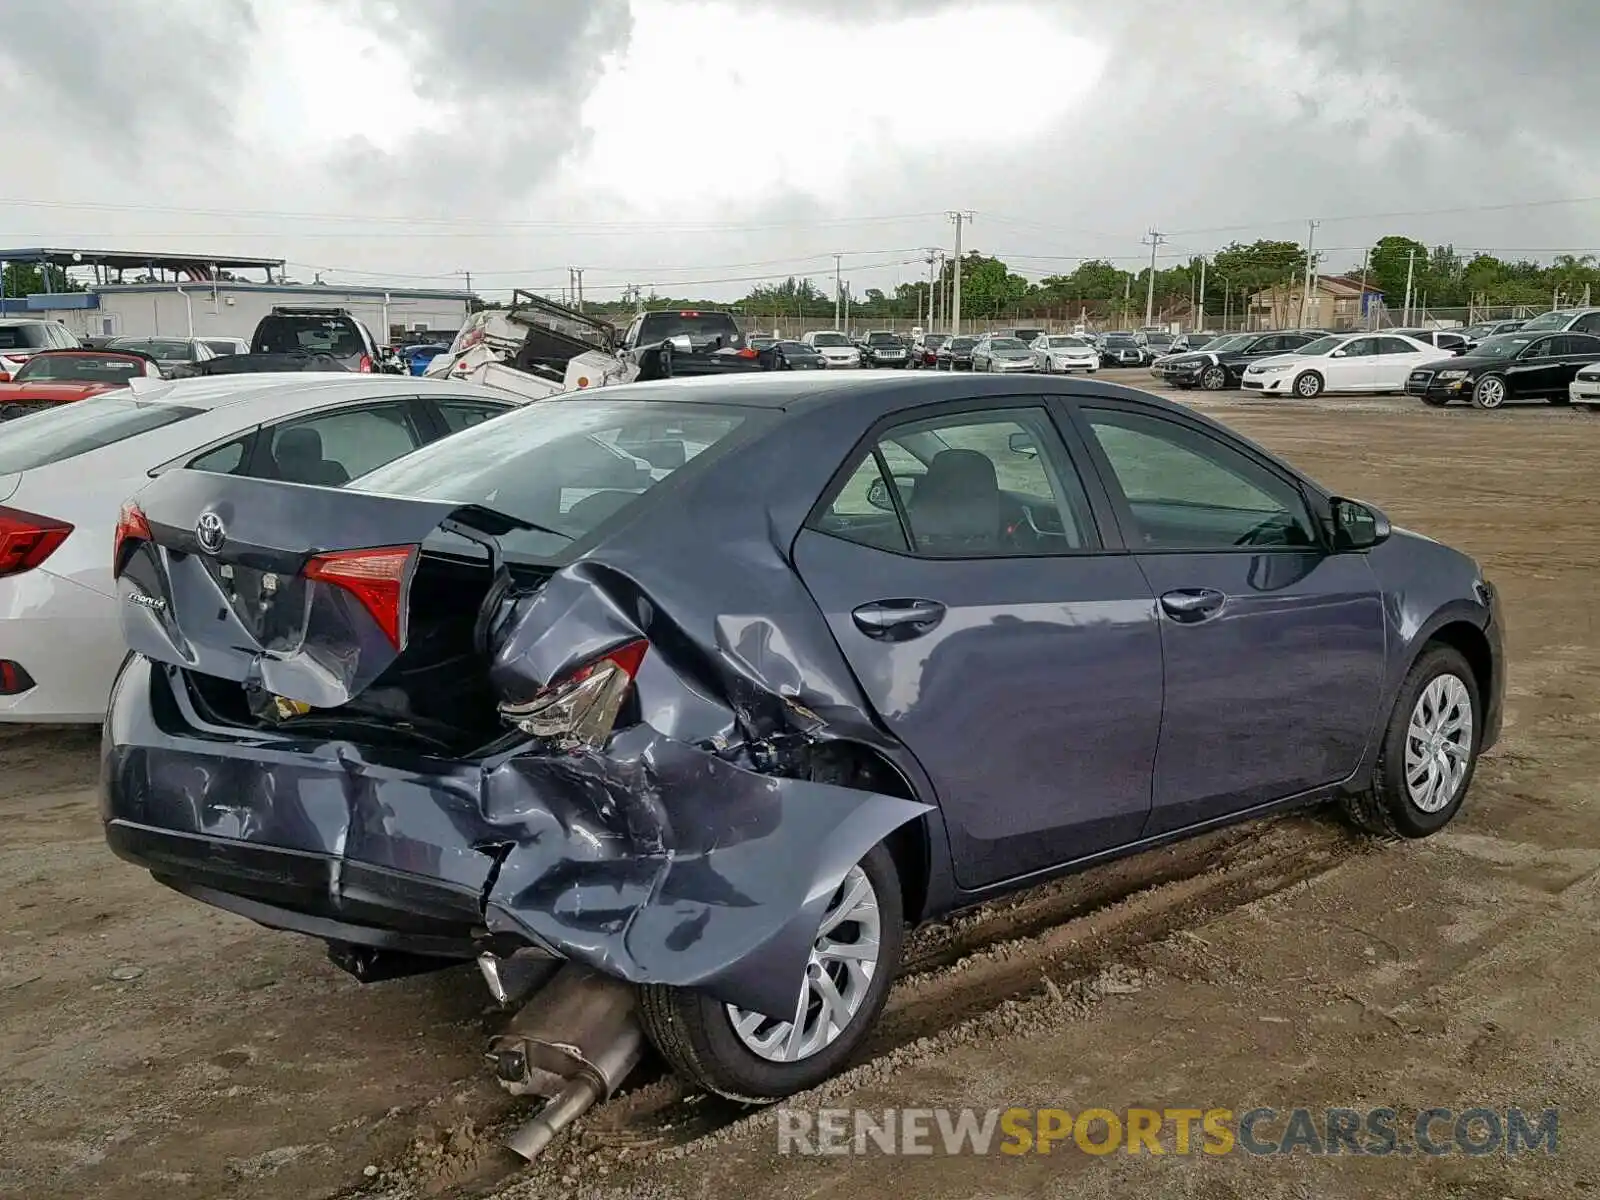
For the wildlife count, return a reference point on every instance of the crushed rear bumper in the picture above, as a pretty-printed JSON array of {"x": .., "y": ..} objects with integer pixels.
[{"x": 654, "y": 862}]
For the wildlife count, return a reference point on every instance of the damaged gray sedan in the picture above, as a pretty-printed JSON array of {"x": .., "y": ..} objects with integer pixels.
[{"x": 712, "y": 687}]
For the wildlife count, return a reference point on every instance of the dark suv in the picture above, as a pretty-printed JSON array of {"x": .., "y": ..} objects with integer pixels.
[
  {"x": 668, "y": 342},
  {"x": 318, "y": 331}
]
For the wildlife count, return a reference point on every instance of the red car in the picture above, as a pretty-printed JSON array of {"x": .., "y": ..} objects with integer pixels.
[{"x": 54, "y": 377}]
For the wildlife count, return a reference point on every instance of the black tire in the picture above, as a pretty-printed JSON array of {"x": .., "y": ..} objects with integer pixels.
[
  {"x": 1490, "y": 392},
  {"x": 1308, "y": 385},
  {"x": 1385, "y": 807},
  {"x": 695, "y": 1034},
  {"x": 1214, "y": 378}
]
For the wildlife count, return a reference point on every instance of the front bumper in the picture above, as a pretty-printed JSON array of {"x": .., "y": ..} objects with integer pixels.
[
  {"x": 890, "y": 359},
  {"x": 1280, "y": 384},
  {"x": 1002, "y": 366},
  {"x": 1427, "y": 385},
  {"x": 1584, "y": 391},
  {"x": 1065, "y": 366},
  {"x": 654, "y": 862}
]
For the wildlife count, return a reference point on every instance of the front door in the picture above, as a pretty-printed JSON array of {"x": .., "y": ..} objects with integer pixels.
[
  {"x": 1273, "y": 646},
  {"x": 992, "y": 635},
  {"x": 1534, "y": 374},
  {"x": 1353, "y": 367}
]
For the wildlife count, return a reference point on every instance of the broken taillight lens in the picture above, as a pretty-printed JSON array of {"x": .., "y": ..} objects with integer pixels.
[
  {"x": 365, "y": 365},
  {"x": 27, "y": 540},
  {"x": 580, "y": 708},
  {"x": 376, "y": 577},
  {"x": 131, "y": 527}
]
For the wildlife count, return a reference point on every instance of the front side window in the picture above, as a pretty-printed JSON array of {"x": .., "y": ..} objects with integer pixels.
[
  {"x": 1187, "y": 490},
  {"x": 1361, "y": 347},
  {"x": 333, "y": 448},
  {"x": 970, "y": 485}
]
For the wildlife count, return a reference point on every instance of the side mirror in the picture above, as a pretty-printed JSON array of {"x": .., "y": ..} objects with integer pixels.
[
  {"x": 1357, "y": 526},
  {"x": 1022, "y": 443},
  {"x": 878, "y": 495},
  {"x": 681, "y": 344},
  {"x": 1340, "y": 353}
]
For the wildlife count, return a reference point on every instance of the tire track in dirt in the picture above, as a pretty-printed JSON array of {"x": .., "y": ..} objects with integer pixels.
[{"x": 1051, "y": 938}]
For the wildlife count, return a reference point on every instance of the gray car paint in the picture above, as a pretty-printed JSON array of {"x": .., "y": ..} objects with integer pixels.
[{"x": 681, "y": 853}]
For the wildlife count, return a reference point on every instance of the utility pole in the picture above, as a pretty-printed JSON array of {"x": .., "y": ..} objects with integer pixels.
[
  {"x": 1365, "y": 323},
  {"x": 846, "y": 324},
  {"x": 1202, "y": 323},
  {"x": 1411, "y": 263},
  {"x": 1156, "y": 238},
  {"x": 838, "y": 289},
  {"x": 933, "y": 258},
  {"x": 1311, "y": 270},
  {"x": 1127, "y": 297},
  {"x": 959, "y": 217},
  {"x": 579, "y": 271}
]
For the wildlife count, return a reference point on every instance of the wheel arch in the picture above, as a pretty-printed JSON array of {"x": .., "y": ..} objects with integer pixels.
[
  {"x": 1472, "y": 644},
  {"x": 858, "y": 765}
]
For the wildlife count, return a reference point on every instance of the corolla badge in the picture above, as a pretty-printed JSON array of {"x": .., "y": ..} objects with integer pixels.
[
  {"x": 210, "y": 532},
  {"x": 153, "y": 603}
]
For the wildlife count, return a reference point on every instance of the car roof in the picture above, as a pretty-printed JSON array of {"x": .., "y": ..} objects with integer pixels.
[
  {"x": 802, "y": 392},
  {"x": 296, "y": 388}
]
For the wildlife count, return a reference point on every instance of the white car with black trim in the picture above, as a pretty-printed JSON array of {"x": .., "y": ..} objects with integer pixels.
[
  {"x": 1585, "y": 386},
  {"x": 1361, "y": 362},
  {"x": 1062, "y": 353}
]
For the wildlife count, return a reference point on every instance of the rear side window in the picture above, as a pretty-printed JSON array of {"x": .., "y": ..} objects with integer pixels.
[
  {"x": 563, "y": 467},
  {"x": 77, "y": 428},
  {"x": 338, "y": 336},
  {"x": 464, "y": 414},
  {"x": 23, "y": 337},
  {"x": 334, "y": 448}
]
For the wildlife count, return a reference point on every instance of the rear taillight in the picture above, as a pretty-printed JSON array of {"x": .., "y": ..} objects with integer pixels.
[
  {"x": 26, "y": 540},
  {"x": 376, "y": 577},
  {"x": 131, "y": 527},
  {"x": 14, "y": 680},
  {"x": 749, "y": 353},
  {"x": 365, "y": 365},
  {"x": 579, "y": 709}
]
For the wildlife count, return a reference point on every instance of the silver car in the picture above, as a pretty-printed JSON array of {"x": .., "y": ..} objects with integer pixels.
[
  {"x": 169, "y": 352},
  {"x": 996, "y": 352}
]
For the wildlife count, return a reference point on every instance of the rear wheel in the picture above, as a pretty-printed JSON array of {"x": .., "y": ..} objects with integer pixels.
[{"x": 751, "y": 1056}]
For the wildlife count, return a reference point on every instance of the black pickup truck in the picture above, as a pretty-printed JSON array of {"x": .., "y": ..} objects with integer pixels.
[{"x": 681, "y": 342}]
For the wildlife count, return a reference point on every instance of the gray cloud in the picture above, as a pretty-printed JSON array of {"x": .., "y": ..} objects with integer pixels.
[
  {"x": 122, "y": 71},
  {"x": 511, "y": 76}
]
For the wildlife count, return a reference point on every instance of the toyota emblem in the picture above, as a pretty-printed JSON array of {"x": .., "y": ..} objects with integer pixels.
[{"x": 210, "y": 532}]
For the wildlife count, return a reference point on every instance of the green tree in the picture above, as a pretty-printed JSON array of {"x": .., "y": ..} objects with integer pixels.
[{"x": 26, "y": 279}]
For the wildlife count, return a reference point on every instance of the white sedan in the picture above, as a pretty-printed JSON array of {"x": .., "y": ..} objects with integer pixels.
[
  {"x": 65, "y": 473},
  {"x": 1059, "y": 353},
  {"x": 836, "y": 349},
  {"x": 1359, "y": 362},
  {"x": 1585, "y": 386}
]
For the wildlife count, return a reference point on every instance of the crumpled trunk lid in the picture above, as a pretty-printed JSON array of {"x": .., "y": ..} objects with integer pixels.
[{"x": 221, "y": 584}]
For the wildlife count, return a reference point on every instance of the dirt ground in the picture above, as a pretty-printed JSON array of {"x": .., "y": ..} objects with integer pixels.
[{"x": 149, "y": 1045}]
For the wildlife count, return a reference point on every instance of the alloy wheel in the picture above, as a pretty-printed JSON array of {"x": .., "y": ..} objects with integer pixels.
[
  {"x": 1490, "y": 392},
  {"x": 839, "y": 971},
  {"x": 1439, "y": 743},
  {"x": 1213, "y": 379}
]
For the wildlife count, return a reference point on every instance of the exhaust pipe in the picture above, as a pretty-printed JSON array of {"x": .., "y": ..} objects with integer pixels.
[{"x": 573, "y": 1045}]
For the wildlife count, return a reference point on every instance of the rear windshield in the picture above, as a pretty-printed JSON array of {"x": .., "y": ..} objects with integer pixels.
[
  {"x": 59, "y": 433},
  {"x": 88, "y": 368},
  {"x": 158, "y": 348},
  {"x": 659, "y": 326},
  {"x": 22, "y": 337},
  {"x": 564, "y": 466},
  {"x": 220, "y": 347},
  {"x": 337, "y": 336}
]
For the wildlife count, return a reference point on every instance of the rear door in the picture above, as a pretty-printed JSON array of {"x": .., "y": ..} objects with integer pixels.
[
  {"x": 993, "y": 633},
  {"x": 1578, "y": 350},
  {"x": 1274, "y": 647},
  {"x": 1397, "y": 358}
]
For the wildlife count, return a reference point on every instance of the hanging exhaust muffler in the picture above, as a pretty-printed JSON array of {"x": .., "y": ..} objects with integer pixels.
[{"x": 572, "y": 1045}]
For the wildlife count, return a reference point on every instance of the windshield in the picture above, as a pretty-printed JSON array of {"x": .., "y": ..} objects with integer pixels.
[
  {"x": 1066, "y": 343},
  {"x": 796, "y": 348},
  {"x": 829, "y": 339},
  {"x": 89, "y": 368},
  {"x": 882, "y": 339},
  {"x": 565, "y": 466},
  {"x": 72, "y": 429},
  {"x": 934, "y": 340},
  {"x": 1120, "y": 339},
  {"x": 1158, "y": 339},
  {"x": 1323, "y": 345},
  {"x": 157, "y": 348},
  {"x": 337, "y": 336},
  {"x": 1006, "y": 343},
  {"x": 1550, "y": 320},
  {"x": 21, "y": 337},
  {"x": 1507, "y": 345},
  {"x": 963, "y": 343}
]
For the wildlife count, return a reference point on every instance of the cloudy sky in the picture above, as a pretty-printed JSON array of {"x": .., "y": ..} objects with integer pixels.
[{"x": 696, "y": 147}]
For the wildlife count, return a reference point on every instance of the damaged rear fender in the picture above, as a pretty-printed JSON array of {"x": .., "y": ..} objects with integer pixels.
[{"x": 699, "y": 874}]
